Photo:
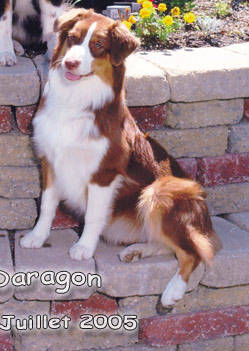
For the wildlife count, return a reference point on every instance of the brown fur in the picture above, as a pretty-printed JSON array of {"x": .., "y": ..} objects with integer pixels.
[
  {"x": 123, "y": 43},
  {"x": 63, "y": 25},
  {"x": 47, "y": 174},
  {"x": 155, "y": 190},
  {"x": 103, "y": 69},
  {"x": 41, "y": 103},
  {"x": 176, "y": 212}
]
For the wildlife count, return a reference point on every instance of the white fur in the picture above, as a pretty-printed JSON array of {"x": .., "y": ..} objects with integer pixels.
[
  {"x": 85, "y": 94},
  {"x": 174, "y": 290},
  {"x": 36, "y": 238},
  {"x": 97, "y": 215},
  {"x": 124, "y": 231},
  {"x": 64, "y": 132},
  {"x": 82, "y": 54},
  {"x": 7, "y": 54}
]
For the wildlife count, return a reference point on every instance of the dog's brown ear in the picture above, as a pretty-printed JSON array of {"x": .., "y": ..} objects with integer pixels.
[
  {"x": 66, "y": 21},
  {"x": 122, "y": 43}
]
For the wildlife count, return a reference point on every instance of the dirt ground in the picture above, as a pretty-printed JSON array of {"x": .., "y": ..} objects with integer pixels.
[
  {"x": 230, "y": 29},
  {"x": 222, "y": 31}
]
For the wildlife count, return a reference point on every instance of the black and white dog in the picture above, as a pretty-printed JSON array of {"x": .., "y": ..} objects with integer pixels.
[{"x": 26, "y": 22}]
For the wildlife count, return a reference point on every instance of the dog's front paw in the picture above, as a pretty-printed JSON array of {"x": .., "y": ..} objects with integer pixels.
[
  {"x": 130, "y": 254},
  {"x": 79, "y": 252},
  {"x": 32, "y": 241},
  {"x": 7, "y": 58},
  {"x": 174, "y": 291}
]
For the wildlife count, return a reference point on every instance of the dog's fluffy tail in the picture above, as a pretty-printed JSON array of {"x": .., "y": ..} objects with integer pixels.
[{"x": 174, "y": 210}]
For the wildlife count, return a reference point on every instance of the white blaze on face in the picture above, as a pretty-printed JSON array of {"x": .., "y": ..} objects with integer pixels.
[{"x": 81, "y": 53}]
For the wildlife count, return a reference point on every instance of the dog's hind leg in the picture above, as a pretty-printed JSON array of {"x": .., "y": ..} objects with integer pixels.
[
  {"x": 176, "y": 214},
  {"x": 7, "y": 54},
  {"x": 177, "y": 286}
]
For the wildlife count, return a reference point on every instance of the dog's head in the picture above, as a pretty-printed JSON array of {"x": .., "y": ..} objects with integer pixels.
[{"x": 90, "y": 43}]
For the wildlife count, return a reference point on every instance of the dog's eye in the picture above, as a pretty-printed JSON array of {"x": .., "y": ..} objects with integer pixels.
[
  {"x": 72, "y": 39},
  {"x": 98, "y": 45}
]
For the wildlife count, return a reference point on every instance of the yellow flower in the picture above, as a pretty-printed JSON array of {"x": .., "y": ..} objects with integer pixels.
[
  {"x": 162, "y": 7},
  {"x": 127, "y": 24},
  {"x": 189, "y": 17},
  {"x": 132, "y": 19},
  {"x": 140, "y": 1},
  {"x": 145, "y": 13},
  {"x": 175, "y": 11},
  {"x": 168, "y": 21},
  {"x": 147, "y": 4}
]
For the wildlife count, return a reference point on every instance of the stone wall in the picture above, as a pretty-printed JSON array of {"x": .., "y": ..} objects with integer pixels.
[{"x": 196, "y": 104}]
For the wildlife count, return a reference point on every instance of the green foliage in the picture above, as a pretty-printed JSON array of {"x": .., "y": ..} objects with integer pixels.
[
  {"x": 152, "y": 29},
  {"x": 223, "y": 9},
  {"x": 184, "y": 5}
]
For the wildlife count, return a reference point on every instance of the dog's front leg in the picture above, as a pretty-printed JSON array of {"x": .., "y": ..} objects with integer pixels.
[
  {"x": 7, "y": 54},
  {"x": 99, "y": 205},
  {"x": 50, "y": 200}
]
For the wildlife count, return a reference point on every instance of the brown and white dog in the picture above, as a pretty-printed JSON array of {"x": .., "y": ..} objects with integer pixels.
[
  {"x": 96, "y": 159},
  {"x": 27, "y": 22}
]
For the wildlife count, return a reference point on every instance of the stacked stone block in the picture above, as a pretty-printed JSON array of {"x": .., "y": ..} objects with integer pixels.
[{"x": 196, "y": 104}]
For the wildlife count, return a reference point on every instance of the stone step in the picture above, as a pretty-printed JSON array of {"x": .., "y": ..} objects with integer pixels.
[
  {"x": 184, "y": 75},
  {"x": 204, "y": 73},
  {"x": 145, "y": 277},
  {"x": 118, "y": 279},
  {"x": 228, "y": 198},
  {"x": 146, "y": 84},
  {"x": 19, "y": 84},
  {"x": 52, "y": 257},
  {"x": 148, "y": 276},
  {"x": 228, "y": 268},
  {"x": 240, "y": 219}
]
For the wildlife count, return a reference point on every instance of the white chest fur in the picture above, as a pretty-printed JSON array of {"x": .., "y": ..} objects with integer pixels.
[{"x": 65, "y": 133}]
